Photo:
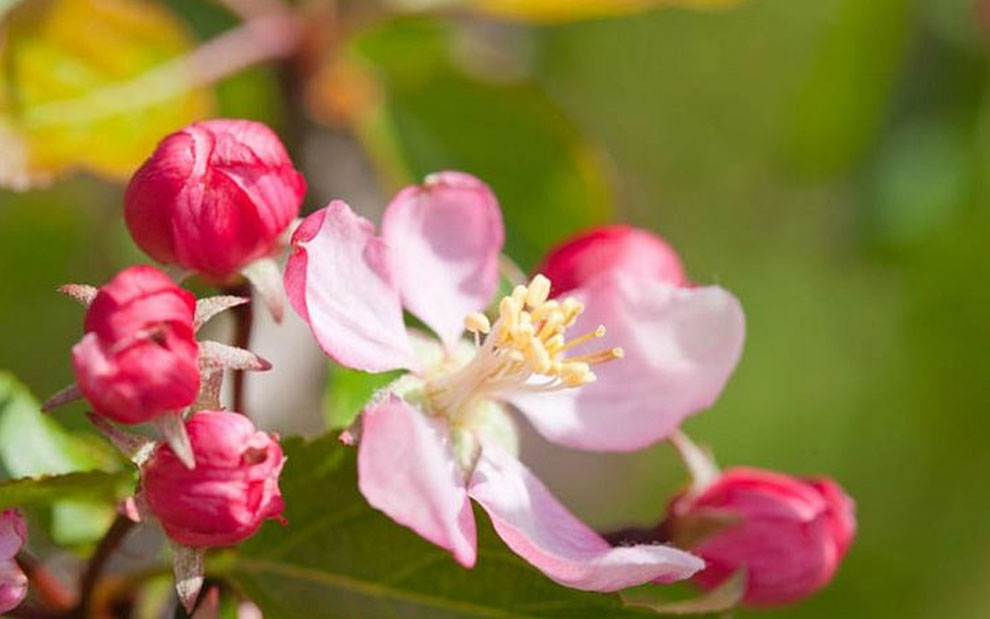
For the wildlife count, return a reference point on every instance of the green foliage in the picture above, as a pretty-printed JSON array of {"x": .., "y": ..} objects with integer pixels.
[
  {"x": 32, "y": 443},
  {"x": 48, "y": 489},
  {"x": 548, "y": 178},
  {"x": 348, "y": 391},
  {"x": 53, "y": 467},
  {"x": 722, "y": 598},
  {"x": 338, "y": 557},
  {"x": 840, "y": 108}
]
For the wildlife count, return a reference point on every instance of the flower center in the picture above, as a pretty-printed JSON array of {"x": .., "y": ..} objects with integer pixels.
[{"x": 524, "y": 345}]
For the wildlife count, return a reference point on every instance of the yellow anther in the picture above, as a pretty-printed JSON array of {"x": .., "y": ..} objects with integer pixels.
[
  {"x": 538, "y": 356},
  {"x": 554, "y": 344},
  {"x": 519, "y": 295},
  {"x": 571, "y": 309},
  {"x": 477, "y": 322},
  {"x": 545, "y": 310},
  {"x": 508, "y": 311},
  {"x": 574, "y": 374},
  {"x": 538, "y": 291},
  {"x": 551, "y": 326}
]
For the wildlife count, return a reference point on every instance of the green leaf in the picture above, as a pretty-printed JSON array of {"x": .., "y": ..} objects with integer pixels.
[
  {"x": 87, "y": 84},
  {"x": 93, "y": 485},
  {"x": 542, "y": 11},
  {"x": 348, "y": 391},
  {"x": 338, "y": 557},
  {"x": 724, "y": 597},
  {"x": 547, "y": 177},
  {"x": 34, "y": 445}
]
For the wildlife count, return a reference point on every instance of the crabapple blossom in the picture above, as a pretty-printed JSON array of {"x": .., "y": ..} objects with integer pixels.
[
  {"x": 681, "y": 342},
  {"x": 790, "y": 534},
  {"x": 13, "y": 581},
  {"x": 612, "y": 248},
  {"x": 232, "y": 490},
  {"x": 441, "y": 435},
  {"x": 138, "y": 357},
  {"x": 214, "y": 197}
]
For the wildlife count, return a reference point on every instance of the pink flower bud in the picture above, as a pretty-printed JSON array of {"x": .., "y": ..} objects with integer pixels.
[
  {"x": 139, "y": 356},
  {"x": 790, "y": 536},
  {"x": 612, "y": 248},
  {"x": 233, "y": 488},
  {"x": 214, "y": 197},
  {"x": 13, "y": 582}
]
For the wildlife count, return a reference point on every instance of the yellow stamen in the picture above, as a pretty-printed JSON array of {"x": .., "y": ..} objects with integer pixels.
[
  {"x": 538, "y": 291},
  {"x": 477, "y": 322},
  {"x": 581, "y": 339},
  {"x": 526, "y": 341}
]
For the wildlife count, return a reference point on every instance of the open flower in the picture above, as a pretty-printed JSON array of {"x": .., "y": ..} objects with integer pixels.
[
  {"x": 681, "y": 342},
  {"x": 440, "y": 435}
]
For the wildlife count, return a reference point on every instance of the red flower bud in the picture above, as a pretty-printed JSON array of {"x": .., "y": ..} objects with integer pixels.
[
  {"x": 139, "y": 356},
  {"x": 611, "y": 248},
  {"x": 791, "y": 535},
  {"x": 214, "y": 197},
  {"x": 13, "y": 582},
  {"x": 233, "y": 488}
]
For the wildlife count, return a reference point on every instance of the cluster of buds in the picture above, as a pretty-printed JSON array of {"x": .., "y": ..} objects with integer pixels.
[
  {"x": 214, "y": 199},
  {"x": 787, "y": 535}
]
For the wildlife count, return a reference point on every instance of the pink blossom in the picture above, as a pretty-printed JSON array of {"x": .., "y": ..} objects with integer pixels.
[
  {"x": 214, "y": 197},
  {"x": 791, "y": 536},
  {"x": 138, "y": 356},
  {"x": 232, "y": 490},
  {"x": 13, "y": 581},
  {"x": 441, "y": 434},
  {"x": 681, "y": 342},
  {"x": 637, "y": 252}
]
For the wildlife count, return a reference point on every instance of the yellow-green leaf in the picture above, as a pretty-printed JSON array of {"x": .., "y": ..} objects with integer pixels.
[
  {"x": 566, "y": 10},
  {"x": 90, "y": 84}
]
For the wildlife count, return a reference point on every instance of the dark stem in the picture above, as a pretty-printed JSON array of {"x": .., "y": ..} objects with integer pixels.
[
  {"x": 49, "y": 589},
  {"x": 33, "y": 612},
  {"x": 113, "y": 538},
  {"x": 243, "y": 322}
]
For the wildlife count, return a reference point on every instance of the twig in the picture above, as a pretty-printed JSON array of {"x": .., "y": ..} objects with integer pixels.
[
  {"x": 243, "y": 322},
  {"x": 114, "y": 537}
]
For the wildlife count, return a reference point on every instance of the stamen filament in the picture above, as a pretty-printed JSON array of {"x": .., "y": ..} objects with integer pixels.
[{"x": 524, "y": 342}]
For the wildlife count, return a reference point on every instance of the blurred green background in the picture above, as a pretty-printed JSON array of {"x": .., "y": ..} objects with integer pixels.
[{"x": 827, "y": 161}]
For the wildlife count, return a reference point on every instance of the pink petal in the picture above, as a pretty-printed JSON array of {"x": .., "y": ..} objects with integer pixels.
[
  {"x": 444, "y": 238},
  {"x": 13, "y": 585},
  {"x": 541, "y": 530},
  {"x": 336, "y": 280},
  {"x": 681, "y": 345},
  {"x": 406, "y": 469},
  {"x": 13, "y": 533}
]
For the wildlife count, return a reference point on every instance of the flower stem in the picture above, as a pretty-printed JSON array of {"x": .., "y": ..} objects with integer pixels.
[
  {"x": 114, "y": 537},
  {"x": 698, "y": 461},
  {"x": 49, "y": 589},
  {"x": 243, "y": 321}
]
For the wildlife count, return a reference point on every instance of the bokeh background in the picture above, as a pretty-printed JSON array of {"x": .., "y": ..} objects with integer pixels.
[{"x": 827, "y": 161}]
